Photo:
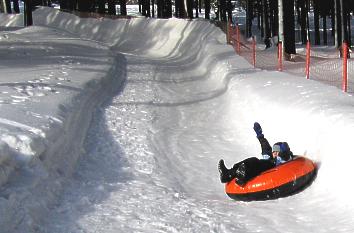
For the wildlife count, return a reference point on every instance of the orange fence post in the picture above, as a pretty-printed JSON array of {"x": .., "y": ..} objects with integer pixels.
[
  {"x": 238, "y": 39},
  {"x": 345, "y": 68},
  {"x": 280, "y": 56},
  {"x": 308, "y": 51},
  {"x": 254, "y": 51},
  {"x": 233, "y": 37},
  {"x": 228, "y": 34}
]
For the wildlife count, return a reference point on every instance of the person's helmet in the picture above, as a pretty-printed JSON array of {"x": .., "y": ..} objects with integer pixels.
[
  {"x": 276, "y": 148},
  {"x": 284, "y": 150}
]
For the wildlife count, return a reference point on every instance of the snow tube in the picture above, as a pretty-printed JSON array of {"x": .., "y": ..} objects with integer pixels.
[{"x": 281, "y": 181}]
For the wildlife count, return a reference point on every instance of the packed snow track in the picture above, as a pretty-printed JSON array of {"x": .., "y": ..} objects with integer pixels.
[{"x": 181, "y": 101}]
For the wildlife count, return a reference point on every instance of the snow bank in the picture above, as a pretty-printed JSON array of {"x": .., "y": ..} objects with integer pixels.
[{"x": 150, "y": 37}]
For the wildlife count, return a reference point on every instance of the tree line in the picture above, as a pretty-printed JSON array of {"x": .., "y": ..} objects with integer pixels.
[
  {"x": 164, "y": 8},
  {"x": 300, "y": 14}
]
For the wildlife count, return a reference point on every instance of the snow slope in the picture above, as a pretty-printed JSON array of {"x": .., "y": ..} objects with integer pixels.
[{"x": 147, "y": 162}]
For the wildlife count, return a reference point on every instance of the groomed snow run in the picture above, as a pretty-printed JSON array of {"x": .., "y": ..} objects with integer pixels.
[{"x": 118, "y": 125}]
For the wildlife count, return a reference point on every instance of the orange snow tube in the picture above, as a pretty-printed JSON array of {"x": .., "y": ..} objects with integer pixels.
[{"x": 281, "y": 181}]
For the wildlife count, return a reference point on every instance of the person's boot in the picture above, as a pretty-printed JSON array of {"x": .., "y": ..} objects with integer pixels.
[
  {"x": 225, "y": 175},
  {"x": 240, "y": 174}
]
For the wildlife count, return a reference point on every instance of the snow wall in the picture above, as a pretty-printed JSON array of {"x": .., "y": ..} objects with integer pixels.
[{"x": 317, "y": 120}]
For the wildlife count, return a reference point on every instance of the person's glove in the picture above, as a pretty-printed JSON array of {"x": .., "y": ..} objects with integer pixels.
[{"x": 258, "y": 129}]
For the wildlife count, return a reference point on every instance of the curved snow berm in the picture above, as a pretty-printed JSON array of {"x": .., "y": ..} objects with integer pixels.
[{"x": 149, "y": 37}]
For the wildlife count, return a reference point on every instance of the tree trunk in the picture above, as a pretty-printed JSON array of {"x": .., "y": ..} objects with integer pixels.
[
  {"x": 317, "y": 22},
  {"x": 201, "y": 5},
  {"x": 281, "y": 21},
  {"x": 143, "y": 8},
  {"x": 325, "y": 42},
  {"x": 349, "y": 31},
  {"x": 84, "y": 5},
  {"x": 274, "y": 18},
  {"x": 222, "y": 10},
  {"x": 196, "y": 6},
  {"x": 303, "y": 21},
  {"x": 63, "y": 4},
  {"x": 259, "y": 18},
  {"x": 333, "y": 22},
  {"x": 180, "y": 9},
  {"x": 167, "y": 13},
  {"x": 343, "y": 14},
  {"x": 337, "y": 25},
  {"x": 16, "y": 6},
  {"x": 159, "y": 8},
  {"x": 229, "y": 10},
  {"x": 265, "y": 23},
  {"x": 148, "y": 8},
  {"x": 177, "y": 5},
  {"x": 249, "y": 18},
  {"x": 207, "y": 9},
  {"x": 164, "y": 8},
  {"x": 112, "y": 7},
  {"x": 307, "y": 20},
  {"x": 123, "y": 7},
  {"x": 289, "y": 27},
  {"x": 28, "y": 20},
  {"x": 190, "y": 9},
  {"x": 7, "y": 6},
  {"x": 101, "y": 6},
  {"x": 67, "y": 5}
]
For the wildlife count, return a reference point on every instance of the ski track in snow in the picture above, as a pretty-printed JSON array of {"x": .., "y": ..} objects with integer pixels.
[{"x": 151, "y": 152}]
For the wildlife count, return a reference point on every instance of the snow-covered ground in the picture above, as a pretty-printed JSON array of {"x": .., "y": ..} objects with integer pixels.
[{"x": 118, "y": 125}]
